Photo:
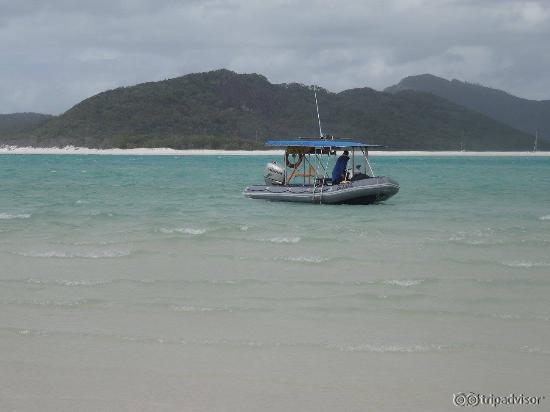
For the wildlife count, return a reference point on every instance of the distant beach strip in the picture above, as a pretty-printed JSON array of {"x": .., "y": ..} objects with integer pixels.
[{"x": 72, "y": 150}]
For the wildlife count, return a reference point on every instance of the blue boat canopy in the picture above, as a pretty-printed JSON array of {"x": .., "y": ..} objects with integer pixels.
[{"x": 319, "y": 143}]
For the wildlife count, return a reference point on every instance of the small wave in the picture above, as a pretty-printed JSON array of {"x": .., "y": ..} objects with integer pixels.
[
  {"x": 223, "y": 281},
  {"x": 525, "y": 264},
  {"x": 195, "y": 309},
  {"x": 476, "y": 238},
  {"x": 456, "y": 237},
  {"x": 184, "y": 230},
  {"x": 480, "y": 242},
  {"x": 404, "y": 283},
  {"x": 50, "y": 302},
  {"x": 545, "y": 217},
  {"x": 515, "y": 316},
  {"x": 340, "y": 347},
  {"x": 390, "y": 348},
  {"x": 477, "y": 242},
  {"x": 303, "y": 259},
  {"x": 244, "y": 228},
  {"x": 30, "y": 332},
  {"x": 313, "y": 345},
  {"x": 72, "y": 283},
  {"x": 529, "y": 349},
  {"x": 201, "y": 309},
  {"x": 7, "y": 216},
  {"x": 206, "y": 309},
  {"x": 97, "y": 213},
  {"x": 281, "y": 239},
  {"x": 506, "y": 316},
  {"x": 68, "y": 255}
]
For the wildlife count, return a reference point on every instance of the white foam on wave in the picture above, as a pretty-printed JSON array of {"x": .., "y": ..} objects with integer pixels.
[
  {"x": 389, "y": 348},
  {"x": 340, "y": 347},
  {"x": 457, "y": 237},
  {"x": 217, "y": 309},
  {"x": 222, "y": 281},
  {"x": 474, "y": 242},
  {"x": 529, "y": 349},
  {"x": 303, "y": 259},
  {"x": 281, "y": 239},
  {"x": 50, "y": 302},
  {"x": 8, "y": 216},
  {"x": 404, "y": 283},
  {"x": 476, "y": 238},
  {"x": 545, "y": 217},
  {"x": 67, "y": 282},
  {"x": 372, "y": 348},
  {"x": 206, "y": 309},
  {"x": 525, "y": 264},
  {"x": 506, "y": 316},
  {"x": 99, "y": 254},
  {"x": 200, "y": 309},
  {"x": 183, "y": 230},
  {"x": 30, "y": 332}
]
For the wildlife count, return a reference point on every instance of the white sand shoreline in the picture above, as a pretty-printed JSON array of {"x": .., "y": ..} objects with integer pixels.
[{"x": 72, "y": 150}]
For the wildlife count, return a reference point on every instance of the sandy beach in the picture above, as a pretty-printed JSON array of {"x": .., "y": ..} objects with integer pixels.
[{"x": 72, "y": 150}]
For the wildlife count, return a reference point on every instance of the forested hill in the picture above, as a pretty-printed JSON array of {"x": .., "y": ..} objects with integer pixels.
[
  {"x": 223, "y": 109},
  {"x": 529, "y": 116},
  {"x": 16, "y": 124}
]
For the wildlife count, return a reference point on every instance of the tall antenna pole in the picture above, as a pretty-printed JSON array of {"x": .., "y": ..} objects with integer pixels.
[{"x": 318, "y": 117}]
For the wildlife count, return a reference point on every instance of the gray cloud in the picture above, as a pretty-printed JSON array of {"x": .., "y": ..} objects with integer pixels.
[{"x": 58, "y": 52}]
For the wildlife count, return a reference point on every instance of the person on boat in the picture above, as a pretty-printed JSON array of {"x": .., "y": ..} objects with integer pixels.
[{"x": 339, "y": 171}]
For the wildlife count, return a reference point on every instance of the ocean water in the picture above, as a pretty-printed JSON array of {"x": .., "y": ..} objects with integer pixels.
[{"x": 151, "y": 283}]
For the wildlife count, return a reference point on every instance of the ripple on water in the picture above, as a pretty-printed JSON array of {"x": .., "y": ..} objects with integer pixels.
[
  {"x": 69, "y": 282},
  {"x": 339, "y": 347},
  {"x": 281, "y": 239},
  {"x": 9, "y": 216},
  {"x": 535, "y": 350},
  {"x": 64, "y": 254},
  {"x": 55, "y": 303},
  {"x": 525, "y": 264},
  {"x": 302, "y": 259},
  {"x": 183, "y": 230},
  {"x": 392, "y": 348},
  {"x": 404, "y": 283}
]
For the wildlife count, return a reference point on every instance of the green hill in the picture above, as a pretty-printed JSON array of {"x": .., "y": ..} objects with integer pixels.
[
  {"x": 16, "y": 124},
  {"x": 529, "y": 116},
  {"x": 222, "y": 109}
]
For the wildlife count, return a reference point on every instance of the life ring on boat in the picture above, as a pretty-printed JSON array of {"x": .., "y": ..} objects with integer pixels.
[{"x": 295, "y": 164}]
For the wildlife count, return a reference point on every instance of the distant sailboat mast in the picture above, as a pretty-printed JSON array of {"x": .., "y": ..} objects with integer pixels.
[{"x": 536, "y": 141}]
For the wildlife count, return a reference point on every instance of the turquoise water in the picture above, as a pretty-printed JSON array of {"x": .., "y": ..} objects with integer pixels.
[{"x": 156, "y": 283}]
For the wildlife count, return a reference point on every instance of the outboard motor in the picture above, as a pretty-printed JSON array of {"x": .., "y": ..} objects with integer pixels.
[{"x": 274, "y": 174}]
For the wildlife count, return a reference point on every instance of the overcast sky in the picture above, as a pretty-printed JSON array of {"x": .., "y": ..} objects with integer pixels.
[{"x": 54, "y": 53}]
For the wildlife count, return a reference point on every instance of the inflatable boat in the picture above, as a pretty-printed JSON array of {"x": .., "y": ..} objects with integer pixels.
[{"x": 306, "y": 174}]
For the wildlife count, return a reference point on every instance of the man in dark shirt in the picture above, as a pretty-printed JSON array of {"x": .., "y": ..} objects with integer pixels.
[{"x": 339, "y": 171}]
